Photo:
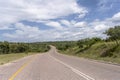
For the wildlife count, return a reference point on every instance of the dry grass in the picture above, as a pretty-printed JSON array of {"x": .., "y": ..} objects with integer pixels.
[{"x": 5, "y": 58}]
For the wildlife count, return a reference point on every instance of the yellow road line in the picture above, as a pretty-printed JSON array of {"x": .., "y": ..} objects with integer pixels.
[{"x": 20, "y": 69}]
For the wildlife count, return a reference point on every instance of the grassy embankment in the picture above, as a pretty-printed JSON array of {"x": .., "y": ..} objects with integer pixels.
[{"x": 104, "y": 51}]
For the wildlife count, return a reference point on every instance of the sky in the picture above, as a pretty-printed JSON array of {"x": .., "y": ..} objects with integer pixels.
[{"x": 56, "y": 20}]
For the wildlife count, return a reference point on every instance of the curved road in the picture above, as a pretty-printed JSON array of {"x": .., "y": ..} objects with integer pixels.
[{"x": 55, "y": 66}]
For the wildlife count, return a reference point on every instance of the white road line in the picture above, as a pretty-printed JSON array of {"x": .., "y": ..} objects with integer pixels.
[{"x": 74, "y": 70}]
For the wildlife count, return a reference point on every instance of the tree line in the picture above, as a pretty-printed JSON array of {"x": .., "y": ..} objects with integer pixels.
[{"x": 7, "y": 47}]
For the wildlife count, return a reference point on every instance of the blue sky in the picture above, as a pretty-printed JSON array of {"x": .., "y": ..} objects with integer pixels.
[{"x": 56, "y": 20}]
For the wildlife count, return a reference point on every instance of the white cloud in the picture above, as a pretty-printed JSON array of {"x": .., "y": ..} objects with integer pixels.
[
  {"x": 116, "y": 17},
  {"x": 91, "y": 29},
  {"x": 43, "y": 11},
  {"x": 62, "y": 30},
  {"x": 80, "y": 24},
  {"x": 65, "y": 22},
  {"x": 14, "y": 11},
  {"x": 23, "y": 32},
  {"x": 54, "y": 24},
  {"x": 101, "y": 27},
  {"x": 73, "y": 23},
  {"x": 6, "y": 28}
]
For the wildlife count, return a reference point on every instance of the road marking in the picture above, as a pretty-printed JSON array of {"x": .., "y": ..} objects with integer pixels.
[
  {"x": 21, "y": 68},
  {"x": 74, "y": 70}
]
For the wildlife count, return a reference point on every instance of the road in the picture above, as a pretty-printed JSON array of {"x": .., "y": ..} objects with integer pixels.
[{"x": 55, "y": 66}]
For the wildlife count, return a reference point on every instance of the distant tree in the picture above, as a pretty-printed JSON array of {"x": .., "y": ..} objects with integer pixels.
[
  {"x": 80, "y": 43},
  {"x": 4, "y": 48},
  {"x": 22, "y": 47}
]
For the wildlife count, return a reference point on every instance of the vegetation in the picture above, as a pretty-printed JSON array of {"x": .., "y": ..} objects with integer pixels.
[
  {"x": 5, "y": 58},
  {"x": 13, "y": 51},
  {"x": 7, "y": 48},
  {"x": 95, "y": 48}
]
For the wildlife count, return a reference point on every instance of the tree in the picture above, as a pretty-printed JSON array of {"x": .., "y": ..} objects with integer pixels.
[
  {"x": 4, "y": 48},
  {"x": 114, "y": 33}
]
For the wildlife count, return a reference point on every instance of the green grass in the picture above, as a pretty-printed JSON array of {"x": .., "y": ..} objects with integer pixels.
[
  {"x": 5, "y": 58},
  {"x": 94, "y": 52}
]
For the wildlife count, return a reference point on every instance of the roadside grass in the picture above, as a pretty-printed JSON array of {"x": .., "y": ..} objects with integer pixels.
[
  {"x": 6, "y": 58},
  {"x": 94, "y": 52}
]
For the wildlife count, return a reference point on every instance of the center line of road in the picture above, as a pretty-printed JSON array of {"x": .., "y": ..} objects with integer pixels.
[
  {"x": 21, "y": 68},
  {"x": 74, "y": 70}
]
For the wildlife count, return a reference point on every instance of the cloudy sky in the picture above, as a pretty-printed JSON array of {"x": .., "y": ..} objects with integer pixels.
[{"x": 56, "y": 20}]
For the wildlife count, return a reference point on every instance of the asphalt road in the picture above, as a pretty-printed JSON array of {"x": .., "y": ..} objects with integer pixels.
[{"x": 55, "y": 66}]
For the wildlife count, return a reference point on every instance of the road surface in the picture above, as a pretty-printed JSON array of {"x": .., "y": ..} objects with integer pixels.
[{"x": 55, "y": 66}]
